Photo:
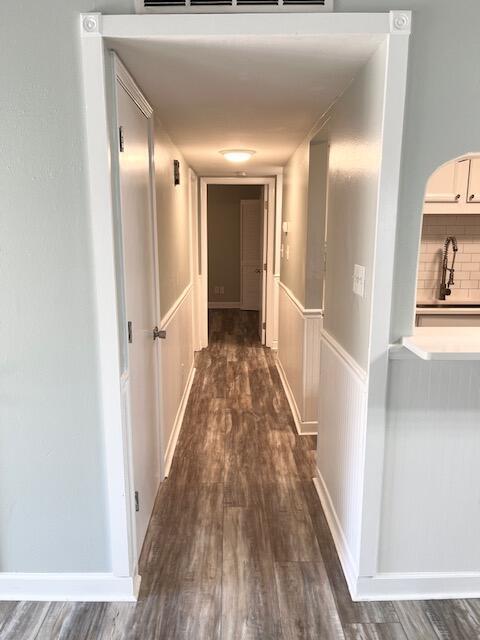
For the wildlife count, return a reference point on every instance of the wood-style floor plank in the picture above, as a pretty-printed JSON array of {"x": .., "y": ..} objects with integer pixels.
[
  {"x": 307, "y": 605},
  {"x": 371, "y": 631},
  {"x": 249, "y": 605},
  {"x": 415, "y": 620},
  {"x": 24, "y": 622},
  {"x": 454, "y": 619}
]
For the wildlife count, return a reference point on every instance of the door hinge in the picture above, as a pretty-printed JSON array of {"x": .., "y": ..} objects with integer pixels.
[
  {"x": 159, "y": 333},
  {"x": 137, "y": 502},
  {"x": 264, "y": 266},
  {"x": 121, "y": 140},
  {"x": 129, "y": 331},
  {"x": 264, "y": 325}
]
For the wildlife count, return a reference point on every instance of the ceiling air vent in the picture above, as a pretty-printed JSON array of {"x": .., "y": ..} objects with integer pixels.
[{"x": 227, "y": 6}]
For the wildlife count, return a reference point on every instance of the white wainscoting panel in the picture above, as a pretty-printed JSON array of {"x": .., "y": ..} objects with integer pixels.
[
  {"x": 431, "y": 509},
  {"x": 177, "y": 370},
  {"x": 340, "y": 449},
  {"x": 298, "y": 359}
]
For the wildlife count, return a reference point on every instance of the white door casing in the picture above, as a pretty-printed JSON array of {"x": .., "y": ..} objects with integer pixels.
[
  {"x": 271, "y": 218},
  {"x": 263, "y": 281},
  {"x": 137, "y": 221},
  {"x": 94, "y": 29}
]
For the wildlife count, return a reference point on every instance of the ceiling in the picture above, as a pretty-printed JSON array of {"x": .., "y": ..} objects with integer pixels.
[{"x": 251, "y": 92}]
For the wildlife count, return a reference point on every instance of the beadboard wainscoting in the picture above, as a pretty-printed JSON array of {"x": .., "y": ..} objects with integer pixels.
[
  {"x": 298, "y": 359},
  {"x": 177, "y": 364},
  {"x": 428, "y": 545},
  {"x": 340, "y": 450}
]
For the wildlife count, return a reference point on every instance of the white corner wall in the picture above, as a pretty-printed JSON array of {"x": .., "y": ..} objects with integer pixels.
[
  {"x": 354, "y": 131},
  {"x": 53, "y": 503}
]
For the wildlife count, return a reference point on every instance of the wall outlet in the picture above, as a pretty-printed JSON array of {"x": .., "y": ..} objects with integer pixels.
[
  {"x": 287, "y": 252},
  {"x": 285, "y": 226},
  {"x": 359, "y": 280},
  {"x": 281, "y": 250}
]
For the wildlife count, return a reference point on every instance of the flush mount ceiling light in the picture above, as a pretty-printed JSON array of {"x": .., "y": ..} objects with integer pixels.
[{"x": 237, "y": 155}]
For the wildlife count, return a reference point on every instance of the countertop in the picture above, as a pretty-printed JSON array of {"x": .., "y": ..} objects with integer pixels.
[
  {"x": 443, "y": 310},
  {"x": 445, "y": 343}
]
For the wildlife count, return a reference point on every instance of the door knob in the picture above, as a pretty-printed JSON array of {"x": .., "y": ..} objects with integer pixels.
[{"x": 159, "y": 333}]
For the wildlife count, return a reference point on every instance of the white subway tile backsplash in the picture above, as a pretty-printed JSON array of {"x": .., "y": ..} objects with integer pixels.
[{"x": 466, "y": 228}]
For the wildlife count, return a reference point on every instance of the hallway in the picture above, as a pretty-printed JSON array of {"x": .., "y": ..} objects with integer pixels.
[{"x": 238, "y": 546}]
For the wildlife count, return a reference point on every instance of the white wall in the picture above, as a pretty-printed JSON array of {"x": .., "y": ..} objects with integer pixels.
[
  {"x": 176, "y": 291},
  {"x": 295, "y": 212},
  {"x": 173, "y": 219},
  {"x": 354, "y": 132},
  {"x": 52, "y": 478}
]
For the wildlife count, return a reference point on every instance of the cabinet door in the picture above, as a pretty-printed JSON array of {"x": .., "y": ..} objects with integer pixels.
[
  {"x": 473, "y": 194},
  {"x": 448, "y": 183}
]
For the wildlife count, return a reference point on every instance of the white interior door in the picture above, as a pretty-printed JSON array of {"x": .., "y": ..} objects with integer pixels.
[
  {"x": 251, "y": 253},
  {"x": 140, "y": 302}
]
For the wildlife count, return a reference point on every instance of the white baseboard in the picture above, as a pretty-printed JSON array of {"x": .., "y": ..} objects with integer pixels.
[
  {"x": 172, "y": 443},
  {"x": 341, "y": 545},
  {"x": 303, "y": 428},
  {"x": 394, "y": 586},
  {"x": 69, "y": 587},
  {"x": 419, "y": 586},
  {"x": 224, "y": 305}
]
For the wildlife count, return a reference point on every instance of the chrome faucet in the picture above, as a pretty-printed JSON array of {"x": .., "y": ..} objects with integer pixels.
[{"x": 444, "y": 285}]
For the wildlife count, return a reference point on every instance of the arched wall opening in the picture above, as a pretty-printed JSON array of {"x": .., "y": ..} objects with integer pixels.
[{"x": 448, "y": 265}]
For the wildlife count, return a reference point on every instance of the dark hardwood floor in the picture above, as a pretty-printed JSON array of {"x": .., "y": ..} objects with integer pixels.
[{"x": 238, "y": 547}]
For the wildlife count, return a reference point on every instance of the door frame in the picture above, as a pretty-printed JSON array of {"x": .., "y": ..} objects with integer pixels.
[
  {"x": 121, "y": 75},
  {"x": 269, "y": 184},
  {"x": 264, "y": 238},
  {"x": 94, "y": 28}
]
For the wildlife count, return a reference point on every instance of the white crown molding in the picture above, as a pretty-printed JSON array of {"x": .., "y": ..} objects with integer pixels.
[
  {"x": 401, "y": 22},
  {"x": 91, "y": 24}
]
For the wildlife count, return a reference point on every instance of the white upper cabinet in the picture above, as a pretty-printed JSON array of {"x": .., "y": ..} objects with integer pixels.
[
  {"x": 473, "y": 193},
  {"x": 454, "y": 188}
]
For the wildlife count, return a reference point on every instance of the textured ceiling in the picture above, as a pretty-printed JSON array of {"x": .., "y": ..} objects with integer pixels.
[{"x": 242, "y": 92}]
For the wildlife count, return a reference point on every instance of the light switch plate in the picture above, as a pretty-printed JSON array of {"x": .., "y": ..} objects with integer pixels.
[
  {"x": 285, "y": 226},
  {"x": 359, "y": 280}
]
